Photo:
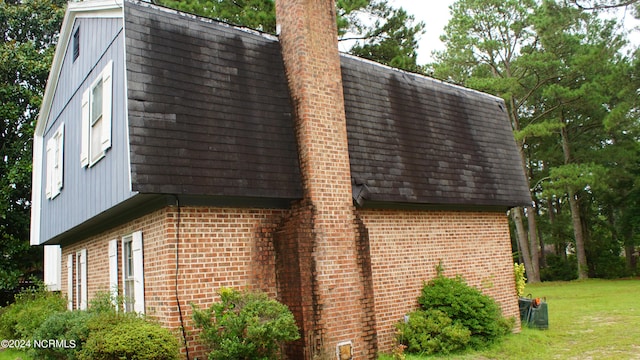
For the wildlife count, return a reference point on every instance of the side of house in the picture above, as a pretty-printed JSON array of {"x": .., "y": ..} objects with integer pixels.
[{"x": 168, "y": 163}]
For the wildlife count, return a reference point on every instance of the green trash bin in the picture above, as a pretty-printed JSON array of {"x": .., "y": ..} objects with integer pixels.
[
  {"x": 534, "y": 313},
  {"x": 525, "y": 304}
]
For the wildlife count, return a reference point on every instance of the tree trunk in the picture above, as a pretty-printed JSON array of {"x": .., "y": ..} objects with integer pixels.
[
  {"x": 534, "y": 275},
  {"x": 632, "y": 260},
  {"x": 583, "y": 271},
  {"x": 528, "y": 249},
  {"x": 521, "y": 237}
]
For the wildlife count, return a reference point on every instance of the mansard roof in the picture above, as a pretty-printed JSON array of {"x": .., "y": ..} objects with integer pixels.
[{"x": 210, "y": 114}]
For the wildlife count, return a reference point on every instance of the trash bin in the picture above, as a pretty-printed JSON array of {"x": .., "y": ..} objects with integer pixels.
[
  {"x": 525, "y": 304},
  {"x": 534, "y": 313}
]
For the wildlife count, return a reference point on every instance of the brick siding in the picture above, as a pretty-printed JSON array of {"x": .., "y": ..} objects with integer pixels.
[
  {"x": 254, "y": 248},
  {"x": 406, "y": 247},
  {"x": 218, "y": 247}
]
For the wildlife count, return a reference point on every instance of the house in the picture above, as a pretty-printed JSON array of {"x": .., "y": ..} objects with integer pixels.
[{"x": 176, "y": 154}]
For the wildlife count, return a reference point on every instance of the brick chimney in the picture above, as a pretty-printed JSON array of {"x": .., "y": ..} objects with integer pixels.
[{"x": 322, "y": 273}]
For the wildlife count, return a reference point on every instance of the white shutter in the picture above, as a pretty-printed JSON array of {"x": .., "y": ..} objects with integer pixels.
[
  {"x": 107, "y": 103},
  {"x": 59, "y": 173},
  {"x": 113, "y": 271},
  {"x": 84, "y": 136},
  {"x": 138, "y": 271},
  {"x": 52, "y": 267},
  {"x": 49, "y": 167},
  {"x": 70, "y": 282},
  {"x": 82, "y": 269}
]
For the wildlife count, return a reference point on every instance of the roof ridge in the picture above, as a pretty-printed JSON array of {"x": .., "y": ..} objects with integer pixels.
[
  {"x": 204, "y": 19},
  {"x": 420, "y": 76}
]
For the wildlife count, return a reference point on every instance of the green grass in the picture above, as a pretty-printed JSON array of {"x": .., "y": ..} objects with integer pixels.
[
  {"x": 592, "y": 319},
  {"x": 10, "y": 354}
]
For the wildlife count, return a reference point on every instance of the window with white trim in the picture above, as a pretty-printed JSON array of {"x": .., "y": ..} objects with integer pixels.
[
  {"x": 81, "y": 279},
  {"x": 133, "y": 273},
  {"x": 55, "y": 163},
  {"x": 96, "y": 118},
  {"x": 77, "y": 280}
]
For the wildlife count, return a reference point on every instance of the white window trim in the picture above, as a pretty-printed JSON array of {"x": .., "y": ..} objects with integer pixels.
[
  {"x": 138, "y": 272},
  {"x": 87, "y": 159},
  {"x": 53, "y": 267},
  {"x": 55, "y": 163}
]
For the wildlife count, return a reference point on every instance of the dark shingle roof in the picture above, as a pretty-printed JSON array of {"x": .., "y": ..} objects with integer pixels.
[
  {"x": 210, "y": 114},
  {"x": 209, "y": 108},
  {"x": 413, "y": 139}
]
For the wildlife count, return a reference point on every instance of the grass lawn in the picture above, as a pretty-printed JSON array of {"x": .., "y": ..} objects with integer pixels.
[
  {"x": 9, "y": 354},
  {"x": 592, "y": 319}
]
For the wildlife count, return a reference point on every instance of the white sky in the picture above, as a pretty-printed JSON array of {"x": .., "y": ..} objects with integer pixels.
[{"x": 435, "y": 15}]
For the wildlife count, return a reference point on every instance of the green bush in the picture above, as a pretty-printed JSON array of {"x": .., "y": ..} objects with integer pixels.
[
  {"x": 452, "y": 316},
  {"x": 127, "y": 336},
  {"x": 68, "y": 326},
  {"x": 466, "y": 306},
  {"x": 432, "y": 331},
  {"x": 558, "y": 268},
  {"x": 31, "y": 308},
  {"x": 245, "y": 325},
  {"x": 101, "y": 332}
]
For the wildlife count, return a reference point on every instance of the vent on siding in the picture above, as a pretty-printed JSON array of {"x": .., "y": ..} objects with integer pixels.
[{"x": 76, "y": 44}]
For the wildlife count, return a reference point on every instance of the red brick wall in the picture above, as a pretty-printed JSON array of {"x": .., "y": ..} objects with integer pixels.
[
  {"x": 253, "y": 248},
  {"x": 217, "y": 247},
  {"x": 406, "y": 246}
]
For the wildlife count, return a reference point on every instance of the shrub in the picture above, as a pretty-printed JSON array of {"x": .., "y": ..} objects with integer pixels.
[
  {"x": 101, "y": 332},
  {"x": 245, "y": 325},
  {"x": 127, "y": 336},
  {"x": 31, "y": 308},
  {"x": 70, "y": 326},
  {"x": 466, "y": 306},
  {"x": 432, "y": 331},
  {"x": 521, "y": 280},
  {"x": 559, "y": 268}
]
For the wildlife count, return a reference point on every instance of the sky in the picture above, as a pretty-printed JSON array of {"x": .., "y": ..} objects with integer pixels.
[{"x": 435, "y": 15}]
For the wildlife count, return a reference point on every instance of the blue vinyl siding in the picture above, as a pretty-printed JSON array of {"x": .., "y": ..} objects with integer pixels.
[{"x": 88, "y": 191}]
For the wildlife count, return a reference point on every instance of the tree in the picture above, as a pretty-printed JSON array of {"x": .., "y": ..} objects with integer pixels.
[
  {"x": 572, "y": 98},
  {"x": 583, "y": 55},
  {"x": 380, "y": 32},
  {"x": 483, "y": 40},
  {"x": 29, "y": 30},
  {"x": 392, "y": 39}
]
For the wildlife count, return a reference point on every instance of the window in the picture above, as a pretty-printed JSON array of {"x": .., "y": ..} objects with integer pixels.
[
  {"x": 55, "y": 163},
  {"x": 96, "y": 118},
  {"x": 77, "y": 280},
  {"x": 76, "y": 44},
  {"x": 81, "y": 279},
  {"x": 133, "y": 273}
]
